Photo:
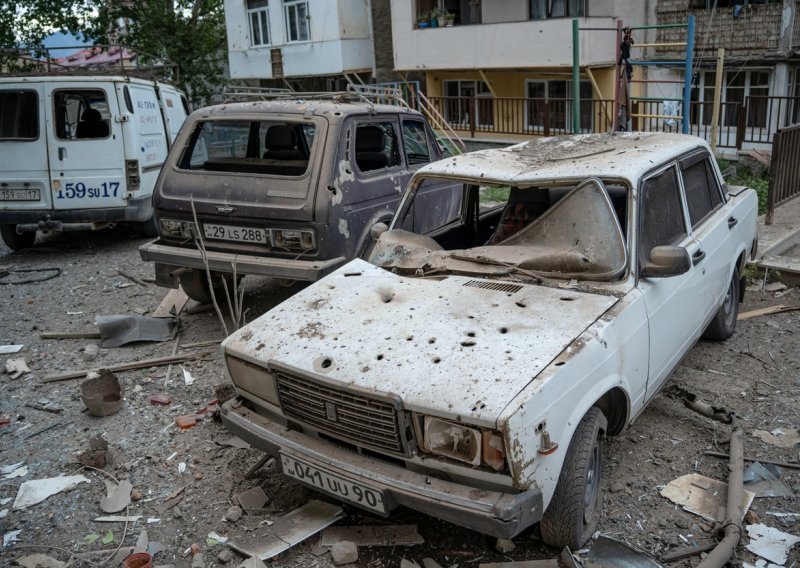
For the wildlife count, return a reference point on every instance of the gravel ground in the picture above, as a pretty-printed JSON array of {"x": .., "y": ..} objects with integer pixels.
[{"x": 756, "y": 374}]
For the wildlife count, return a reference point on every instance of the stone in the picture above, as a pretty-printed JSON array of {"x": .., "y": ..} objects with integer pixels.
[
  {"x": 504, "y": 545},
  {"x": 616, "y": 488},
  {"x": 91, "y": 351},
  {"x": 198, "y": 561},
  {"x": 233, "y": 514},
  {"x": 225, "y": 556},
  {"x": 344, "y": 552}
]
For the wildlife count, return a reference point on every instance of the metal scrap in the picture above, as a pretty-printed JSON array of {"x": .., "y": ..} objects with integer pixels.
[
  {"x": 607, "y": 552},
  {"x": 763, "y": 483},
  {"x": 121, "y": 329},
  {"x": 770, "y": 543}
]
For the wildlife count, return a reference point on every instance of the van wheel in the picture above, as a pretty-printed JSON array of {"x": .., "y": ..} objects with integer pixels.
[
  {"x": 195, "y": 284},
  {"x": 572, "y": 515},
  {"x": 14, "y": 240},
  {"x": 724, "y": 323}
]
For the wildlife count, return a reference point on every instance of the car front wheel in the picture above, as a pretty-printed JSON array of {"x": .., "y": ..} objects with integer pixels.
[
  {"x": 724, "y": 323},
  {"x": 575, "y": 508}
]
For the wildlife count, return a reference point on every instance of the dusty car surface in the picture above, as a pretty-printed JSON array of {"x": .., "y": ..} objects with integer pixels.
[
  {"x": 472, "y": 370},
  {"x": 285, "y": 188}
]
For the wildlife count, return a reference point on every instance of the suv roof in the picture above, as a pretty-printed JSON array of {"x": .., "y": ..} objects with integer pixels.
[{"x": 310, "y": 106}]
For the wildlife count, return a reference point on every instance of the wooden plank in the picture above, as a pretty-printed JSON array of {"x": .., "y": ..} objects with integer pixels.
[
  {"x": 176, "y": 299},
  {"x": 144, "y": 363},
  {"x": 779, "y": 309}
]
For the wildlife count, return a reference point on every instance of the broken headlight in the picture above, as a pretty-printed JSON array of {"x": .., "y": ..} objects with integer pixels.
[
  {"x": 463, "y": 443},
  {"x": 253, "y": 378},
  {"x": 176, "y": 229},
  {"x": 293, "y": 239}
]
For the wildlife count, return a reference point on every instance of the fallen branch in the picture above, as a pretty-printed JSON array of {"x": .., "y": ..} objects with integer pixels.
[
  {"x": 144, "y": 363},
  {"x": 132, "y": 278},
  {"x": 779, "y": 309}
]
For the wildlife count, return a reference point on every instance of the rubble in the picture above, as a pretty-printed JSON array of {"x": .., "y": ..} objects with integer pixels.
[
  {"x": 770, "y": 543},
  {"x": 344, "y": 552},
  {"x": 35, "y": 491}
]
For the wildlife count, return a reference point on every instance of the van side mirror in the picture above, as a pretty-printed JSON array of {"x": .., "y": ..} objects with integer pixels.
[
  {"x": 377, "y": 230},
  {"x": 667, "y": 261}
]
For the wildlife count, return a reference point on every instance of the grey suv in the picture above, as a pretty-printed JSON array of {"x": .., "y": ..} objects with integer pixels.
[{"x": 283, "y": 188}]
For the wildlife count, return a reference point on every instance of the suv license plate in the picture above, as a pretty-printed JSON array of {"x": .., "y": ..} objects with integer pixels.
[
  {"x": 334, "y": 485},
  {"x": 240, "y": 234},
  {"x": 19, "y": 195}
]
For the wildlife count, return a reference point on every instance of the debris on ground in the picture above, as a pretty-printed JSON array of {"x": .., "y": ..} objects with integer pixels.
[
  {"x": 504, "y": 545},
  {"x": 233, "y": 442},
  {"x": 172, "y": 304},
  {"x": 97, "y": 455},
  {"x": 289, "y": 530},
  {"x": 17, "y": 367},
  {"x": 160, "y": 399},
  {"x": 137, "y": 560},
  {"x": 762, "y": 482},
  {"x": 10, "y": 349},
  {"x": 39, "y": 561},
  {"x": 37, "y": 490},
  {"x": 253, "y": 499},
  {"x": 392, "y": 535},
  {"x": 607, "y": 552},
  {"x": 120, "y": 330},
  {"x": 118, "y": 498},
  {"x": 770, "y": 543},
  {"x": 188, "y": 379},
  {"x": 525, "y": 564},
  {"x": 233, "y": 514},
  {"x": 117, "y": 519},
  {"x": 702, "y": 496},
  {"x": 779, "y": 309},
  {"x": 14, "y": 470},
  {"x": 779, "y": 437},
  {"x": 139, "y": 364},
  {"x": 214, "y": 539},
  {"x": 102, "y": 395},
  {"x": 344, "y": 552}
]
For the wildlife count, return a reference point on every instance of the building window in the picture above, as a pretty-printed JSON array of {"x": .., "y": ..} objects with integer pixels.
[
  {"x": 554, "y": 98},
  {"x": 459, "y": 98},
  {"x": 258, "y": 15},
  {"x": 545, "y": 9},
  {"x": 296, "y": 20},
  {"x": 737, "y": 86}
]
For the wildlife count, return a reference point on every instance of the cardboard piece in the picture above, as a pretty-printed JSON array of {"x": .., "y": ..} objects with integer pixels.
[{"x": 703, "y": 496}]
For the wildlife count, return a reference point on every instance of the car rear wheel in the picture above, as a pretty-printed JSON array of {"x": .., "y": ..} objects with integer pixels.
[
  {"x": 724, "y": 323},
  {"x": 195, "y": 284},
  {"x": 14, "y": 240},
  {"x": 575, "y": 508}
]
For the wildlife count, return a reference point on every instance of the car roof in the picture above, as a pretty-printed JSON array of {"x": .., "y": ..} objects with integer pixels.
[
  {"x": 626, "y": 155},
  {"x": 79, "y": 78},
  {"x": 313, "y": 106}
]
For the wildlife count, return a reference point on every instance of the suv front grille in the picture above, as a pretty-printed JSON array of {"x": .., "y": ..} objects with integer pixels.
[{"x": 354, "y": 418}]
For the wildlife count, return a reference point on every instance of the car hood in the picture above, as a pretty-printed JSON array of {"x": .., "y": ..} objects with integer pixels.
[{"x": 456, "y": 346}]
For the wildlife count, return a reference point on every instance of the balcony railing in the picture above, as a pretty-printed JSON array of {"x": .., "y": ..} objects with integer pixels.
[{"x": 753, "y": 121}]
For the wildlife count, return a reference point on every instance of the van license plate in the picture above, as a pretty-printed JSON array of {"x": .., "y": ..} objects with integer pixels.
[
  {"x": 19, "y": 195},
  {"x": 334, "y": 485},
  {"x": 240, "y": 234}
]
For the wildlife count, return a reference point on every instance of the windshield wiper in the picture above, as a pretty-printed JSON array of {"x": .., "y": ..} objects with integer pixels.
[{"x": 493, "y": 262}]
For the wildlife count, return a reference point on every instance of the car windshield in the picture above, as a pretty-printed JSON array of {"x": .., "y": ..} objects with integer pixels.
[
  {"x": 266, "y": 147},
  {"x": 574, "y": 230}
]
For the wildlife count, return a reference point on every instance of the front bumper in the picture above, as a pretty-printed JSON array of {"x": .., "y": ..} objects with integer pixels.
[
  {"x": 502, "y": 515},
  {"x": 307, "y": 270}
]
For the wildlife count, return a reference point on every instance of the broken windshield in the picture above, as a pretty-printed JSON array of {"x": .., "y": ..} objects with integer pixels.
[{"x": 557, "y": 231}]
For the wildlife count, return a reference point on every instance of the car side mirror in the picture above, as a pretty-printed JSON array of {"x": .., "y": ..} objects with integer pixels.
[
  {"x": 377, "y": 230},
  {"x": 667, "y": 261}
]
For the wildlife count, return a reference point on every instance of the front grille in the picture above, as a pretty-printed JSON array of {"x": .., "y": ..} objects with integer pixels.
[
  {"x": 350, "y": 417},
  {"x": 497, "y": 286}
]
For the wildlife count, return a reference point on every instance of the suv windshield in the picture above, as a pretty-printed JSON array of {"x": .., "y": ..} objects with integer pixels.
[
  {"x": 267, "y": 147},
  {"x": 558, "y": 231}
]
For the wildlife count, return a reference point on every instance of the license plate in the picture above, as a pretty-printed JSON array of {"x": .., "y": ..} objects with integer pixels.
[
  {"x": 240, "y": 234},
  {"x": 331, "y": 484},
  {"x": 19, "y": 195}
]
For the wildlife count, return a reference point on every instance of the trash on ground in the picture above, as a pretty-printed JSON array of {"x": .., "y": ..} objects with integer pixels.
[
  {"x": 37, "y": 490},
  {"x": 97, "y": 455},
  {"x": 185, "y": 422},
  {"x": 139, "y": 364},
  {"x": 121, "y": 329},
  {"x": 17, "y": 367},
  {"x": 11, "y": 537},
  {"x": 252, "y": 562},
  {"x": 14, "y": 470},
  {"x": 9, "y": 349},
  {"x": 119, "y": 497},
  {"x": 137, "y": 560},
  {"x": 161, "y": 399},
  {"x": 214, "y": 538},
  {"x": 372, "y": 536},
  {"x": 188, "y": 379},
  {"x": 525, "y": 564},
  {"x": 790, "y": 517},
  {"x": 172, "y": 304},
  {"x": 39, "y": 561},
  {"x": 770, "y": 543},
  {"x": 103, "y": 395},
  {"x": 253, "y": 499},
  {"x": 779, "y": 438},
  {"x": 760, "y": 563},
  {"x": 763, "y": 483},
  {"x": 5, "y": 421},
  {"x": 117, "y": 519},
  {"x": 90, "y": 538},
  {"x": 290, "y": 530},
  {"x": 233, "y": 442},
  {"x": 703, "y": 496},
  {"x": 607, "y": 552},
  {"x": 108, "y": 538}
]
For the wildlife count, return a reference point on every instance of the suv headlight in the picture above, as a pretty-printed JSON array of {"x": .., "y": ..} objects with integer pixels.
[
  {"x": 293, "y": 239},
  {"x": 463, "y": 443},
  {"x": 176, "y": 229}
]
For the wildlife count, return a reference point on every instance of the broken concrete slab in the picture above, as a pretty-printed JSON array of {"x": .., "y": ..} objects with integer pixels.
[
  {"x": 37, "y": 490},
  {"x": 393, "y": 535},
  {"x": 703, "y": 496},
  {"x": 290, "y": 530},
  {"x": 118, "y": 497},
  {"x": 770, "y": 543},
  {"x": 253, "y": 499},
  {"x": 344, "y": 552}
]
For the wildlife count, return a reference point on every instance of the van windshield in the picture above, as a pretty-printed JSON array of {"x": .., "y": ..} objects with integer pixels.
[{"x": 274, "y": 148}]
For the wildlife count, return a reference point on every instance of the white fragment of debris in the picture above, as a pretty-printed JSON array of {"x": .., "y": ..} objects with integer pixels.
[
  {"x": 117, "y": 519},
  {"x": 760, "y": 563},
  {"x": 778, "y": 437},
  {"x": 791, "y": 517},
  {"x": 217, "y": 537},
  {"x": 16, "y": 367},
  {"x": 74, "y": 313},
  {"x": 119, "y": 497},
  {"x": 770, "y": 543},
  {"x": 9, "y": 349},
  {"x": 172, "y": 456},
  {"x": 188, "y": 379},
  {"x": 37, "y": 490},
  {"x": 5, "y": 501},
  {"x": 181, "y": 467},
  {"x": 14, "y": 470},
  {"x": 3, "y": 513},
  {"x": 702, "y": 495},
  {"x": 152, "y": 520},
  {"x": 11, "y": 537}
]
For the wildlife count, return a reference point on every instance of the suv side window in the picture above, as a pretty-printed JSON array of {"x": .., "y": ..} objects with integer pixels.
[
  {"x": 700, "y": 184},
  {"x": 662, "y": 222},
  {"x": 415, "y": 142},
  {"x": 376, "y": 146}
]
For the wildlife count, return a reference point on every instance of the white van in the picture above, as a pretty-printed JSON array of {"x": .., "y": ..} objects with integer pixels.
[{"x": 82, "y": 152}]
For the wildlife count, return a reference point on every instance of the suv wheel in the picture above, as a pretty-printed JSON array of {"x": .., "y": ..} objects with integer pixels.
[
  {"x": 14, "y": 240},
  {"x": 724, "y": 323},
  {"x": 575, "y": 508}
]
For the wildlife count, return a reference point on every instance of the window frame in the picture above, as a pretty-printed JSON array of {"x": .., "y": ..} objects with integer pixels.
[
  {"x": 431, "y": 153},
  {"x": 401, "y": 165},
  {"x": 289, "y": 5},
  {"x": 264, "y": 23},
  {"x": 36, "y": 116},
  {"x": 688, "y": 161},
  {"x": 641, "y": 259},
  {"x": 548, "y": 10},
  {"x": 56, "y": 122}
]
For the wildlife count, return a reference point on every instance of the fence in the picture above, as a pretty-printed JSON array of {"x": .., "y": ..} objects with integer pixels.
[
  {"x": 784, "y": 182},
  {"x": 753, "y": 121}
]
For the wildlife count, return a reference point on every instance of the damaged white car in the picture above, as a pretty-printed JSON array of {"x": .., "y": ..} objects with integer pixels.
[{"x": 472, "y": 369}]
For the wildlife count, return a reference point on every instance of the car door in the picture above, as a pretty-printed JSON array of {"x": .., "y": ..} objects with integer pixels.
[
  {"x": 675, "y": 304},
  {"x": 711, "y": 223},
  {"x": 85, "y": 146}
]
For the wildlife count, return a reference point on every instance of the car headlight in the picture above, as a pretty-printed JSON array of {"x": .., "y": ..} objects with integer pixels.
[
  {"x": 253, "y": 379},
  {"x": 463, "y": 443},
  {"x": 293, "y": 239},
  {"x": 177, "y": 229}
]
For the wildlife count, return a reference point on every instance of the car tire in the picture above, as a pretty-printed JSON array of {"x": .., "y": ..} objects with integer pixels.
[
  {"x": 571, "y": 518},
  {"x": 724, "y": 323},
  {"x": 14, "y": 240}
]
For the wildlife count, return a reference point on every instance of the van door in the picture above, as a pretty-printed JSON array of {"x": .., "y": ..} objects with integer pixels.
[
  {"x": 147, "y": 137},
  {"x": 85, "y": 145},
  {"x": 175, "y": 110},
  {"x": 24, "y": 179}
]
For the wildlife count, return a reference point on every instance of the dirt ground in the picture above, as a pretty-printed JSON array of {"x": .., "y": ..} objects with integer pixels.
[{"x": 756, "y": 374}]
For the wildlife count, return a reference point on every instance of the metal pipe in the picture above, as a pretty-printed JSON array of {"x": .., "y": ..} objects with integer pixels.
[
  {"x": 687, "y": 77},
  {"x": 576, "y": 78}
]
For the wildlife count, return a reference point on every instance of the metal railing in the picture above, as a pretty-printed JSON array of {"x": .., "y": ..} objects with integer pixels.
[{"x": 784, "y": 179}]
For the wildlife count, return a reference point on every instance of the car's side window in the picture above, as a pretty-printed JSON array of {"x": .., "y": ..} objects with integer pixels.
[
  {"x": 376, "y": 146},
  {"x": 662, "y": 222},
  {"x": 701, "y": 187},
  {"x": 81, "y": 114},
  {"x": 415, "y": 142}
]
